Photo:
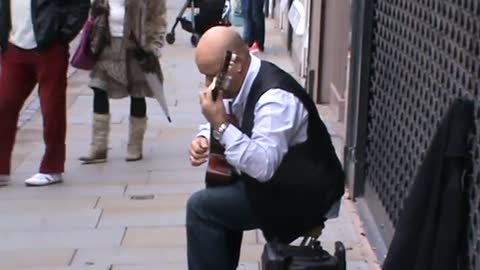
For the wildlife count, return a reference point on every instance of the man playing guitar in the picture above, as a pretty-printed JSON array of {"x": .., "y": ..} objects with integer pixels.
[{"x": 289, "y": 175}]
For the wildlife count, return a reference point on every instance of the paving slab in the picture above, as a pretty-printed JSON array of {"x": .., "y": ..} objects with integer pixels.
[
  {"x": 114, "y": 178},
  {"x": 162, "y": 161},
  {"x": 38, "y": 258},
  {"x": 166, "y": 237},
  {"x": 78, "y": 143},
  {"x": 75, "y": 167},
  {"x": 61, "y": 238},
  {"x": 59, "y": 191},
  {"x": 44, "y": 219},
  {"x": 83, "y": 267},
  {"x": 114, "y": 218},
  {"x": 19, "y": 205},
  {"x": 357, "y": 265},
  {"x": 173, "y": 176},
  {"x": 242, "y": 266},
  {"x": 129, "y": 256},
  {"x": 143, "y": 202},
  {"x": 153, "y": 256},
  {"x": 167, "y": 188},
  {"x": 166, "y": 162}
]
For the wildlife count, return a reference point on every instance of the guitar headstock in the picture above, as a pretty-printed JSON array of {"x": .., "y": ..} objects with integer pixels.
[{"x": 222, "y": 80}]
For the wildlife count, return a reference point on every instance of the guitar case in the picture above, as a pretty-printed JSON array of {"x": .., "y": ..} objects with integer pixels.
[{"x": 277, "y": 256}]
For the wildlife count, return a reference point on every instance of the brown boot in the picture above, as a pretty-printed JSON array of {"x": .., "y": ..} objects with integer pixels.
[
  {"x": 137, "y": 129},
  {"x": 99, "y": 144}
]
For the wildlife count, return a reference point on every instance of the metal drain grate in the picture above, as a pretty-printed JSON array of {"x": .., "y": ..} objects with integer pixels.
[{"x": 142, "y": 197}]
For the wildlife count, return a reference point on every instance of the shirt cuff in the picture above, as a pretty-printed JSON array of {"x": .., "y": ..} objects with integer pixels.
[
  {"x": 230, "y": 136},
  {"x": 204, "y": 133}
]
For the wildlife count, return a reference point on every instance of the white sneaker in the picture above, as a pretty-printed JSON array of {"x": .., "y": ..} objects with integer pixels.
[
  {"x": 44, "y": 179},
  {"x": 4, "y": 179}
]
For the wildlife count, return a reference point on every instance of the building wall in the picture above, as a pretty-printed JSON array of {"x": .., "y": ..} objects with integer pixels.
[
  {"x": 328, "y": 57},
  {"x": 320, "y": 53},
  {"x": 296, "y": 43}
]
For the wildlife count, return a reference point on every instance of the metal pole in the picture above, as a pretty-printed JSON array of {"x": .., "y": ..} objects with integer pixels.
[{"x": 356, "y": 135}]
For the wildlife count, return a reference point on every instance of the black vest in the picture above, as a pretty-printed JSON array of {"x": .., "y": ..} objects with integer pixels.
[{"x": 310, "y": 178}]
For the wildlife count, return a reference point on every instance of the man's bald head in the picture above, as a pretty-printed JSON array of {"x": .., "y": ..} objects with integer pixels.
[{"x": 214, "y": 44}]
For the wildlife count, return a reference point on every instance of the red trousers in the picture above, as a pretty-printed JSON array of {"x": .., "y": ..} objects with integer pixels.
[{"x": 21, "y": 71}]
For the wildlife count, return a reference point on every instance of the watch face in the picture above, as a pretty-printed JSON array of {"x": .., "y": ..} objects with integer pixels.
[{"x": 216, "y": 135}]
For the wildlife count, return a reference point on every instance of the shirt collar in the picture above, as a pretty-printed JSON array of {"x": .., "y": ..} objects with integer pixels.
[{"x": 253, "y": 69}]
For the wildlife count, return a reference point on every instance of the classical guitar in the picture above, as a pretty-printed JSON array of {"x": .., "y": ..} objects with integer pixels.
[{"x": 219, "y": 172}]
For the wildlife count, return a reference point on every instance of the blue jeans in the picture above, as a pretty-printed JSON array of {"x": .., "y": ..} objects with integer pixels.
[
  {"x": 254, "y": 22},
  {"x": 216, "y": 219}
]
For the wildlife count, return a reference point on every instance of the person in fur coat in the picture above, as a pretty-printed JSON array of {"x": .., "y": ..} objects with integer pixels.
[{"x": 115, "y": 23}]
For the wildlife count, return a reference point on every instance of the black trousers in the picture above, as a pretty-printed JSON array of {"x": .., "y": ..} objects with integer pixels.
[
  {"x": 216, "y": 219},
  {"x": 138, "y": 106}
]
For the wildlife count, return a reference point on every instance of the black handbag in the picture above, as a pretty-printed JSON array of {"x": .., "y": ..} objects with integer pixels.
[{"x": 277, "y": 256}]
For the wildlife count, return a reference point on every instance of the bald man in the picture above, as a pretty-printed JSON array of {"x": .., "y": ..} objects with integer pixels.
[{"x": 289, "y": 176}]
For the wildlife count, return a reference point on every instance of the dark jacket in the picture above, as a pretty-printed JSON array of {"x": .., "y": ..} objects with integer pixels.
[
  {"x": 53, "y": 20},
  {"x": 310, "y": 178},
  {"x": 429, "y": 233}
]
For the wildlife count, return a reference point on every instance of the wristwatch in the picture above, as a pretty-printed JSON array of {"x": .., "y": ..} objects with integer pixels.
[{"x": 217, "y": 134}]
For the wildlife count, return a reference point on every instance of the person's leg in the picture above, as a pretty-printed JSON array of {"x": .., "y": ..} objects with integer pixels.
[
  {"x": 51, "y": 70},
  {"x": 258, "y": 18},
  {"x": 137, "y": 128},
  {"x": 234, "y": 243},
  {"x": 247, "y": 21},
  {"x": 100, "y": 128},
  {"x": 17, "y": 80},
  {"x": 216, "y": 219},
  {"x": 138, "y": 107},
  {"x": 100, "y": 101}
]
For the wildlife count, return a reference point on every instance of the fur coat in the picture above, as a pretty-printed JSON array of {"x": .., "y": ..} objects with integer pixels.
[{"x": 146, "y": 21}]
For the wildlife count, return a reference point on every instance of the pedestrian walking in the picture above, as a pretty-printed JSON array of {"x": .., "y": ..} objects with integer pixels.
[
  {"x": 34, "y": 41},
  {"x": 254, "y": 24},
  {"x": 117, "y": 24}
]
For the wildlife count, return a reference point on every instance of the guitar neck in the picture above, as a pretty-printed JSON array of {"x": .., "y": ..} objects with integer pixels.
[
  {"x": 215, "y": 93},
  {"x": 219, "y": 172}
]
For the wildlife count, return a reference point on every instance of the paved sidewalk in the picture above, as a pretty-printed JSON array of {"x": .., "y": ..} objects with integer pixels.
[{"x": 129, "y": 216}]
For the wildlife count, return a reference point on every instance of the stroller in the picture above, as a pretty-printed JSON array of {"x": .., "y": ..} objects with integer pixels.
[{"x": 211, "y": 13}]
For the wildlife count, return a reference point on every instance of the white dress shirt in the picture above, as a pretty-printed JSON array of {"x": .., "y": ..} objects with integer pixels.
[
  {"x": 22, "y": 34},
  {"x": 280, "y": 121},
  {"x": 117, "y": 17}
]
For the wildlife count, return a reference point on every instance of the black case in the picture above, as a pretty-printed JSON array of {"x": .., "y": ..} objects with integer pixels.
[{"x": 278, "y": 256}]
